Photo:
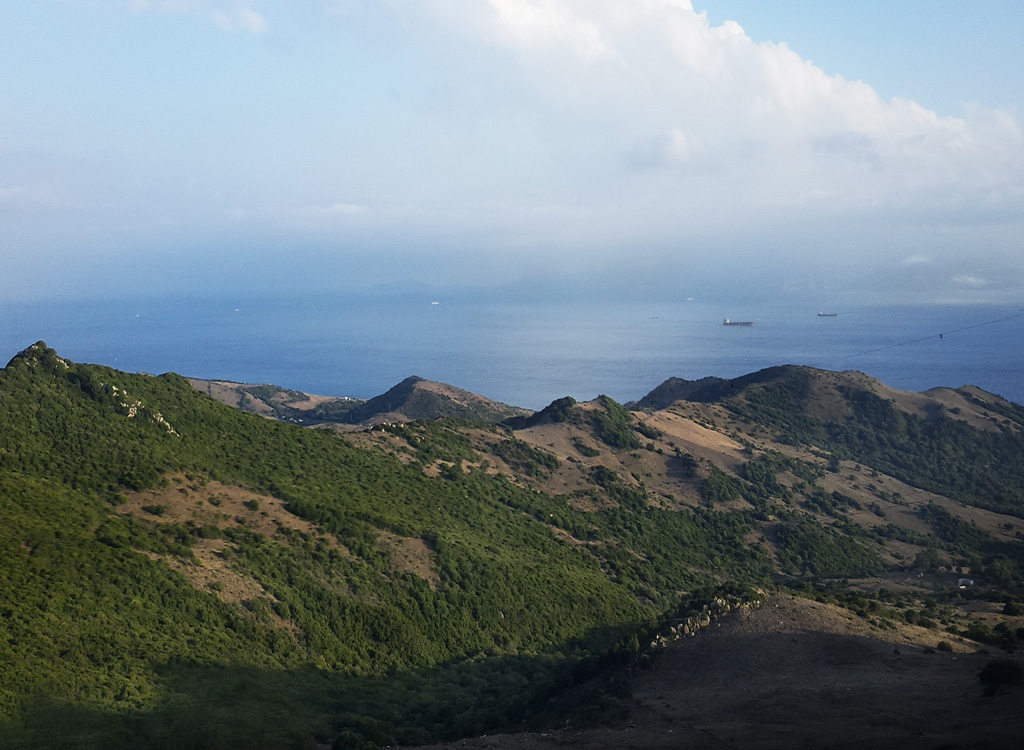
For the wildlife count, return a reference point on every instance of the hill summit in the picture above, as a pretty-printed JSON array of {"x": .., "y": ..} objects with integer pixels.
[
  {"x": 413, "y": 398},
  {"x": 417, "y": 399}
]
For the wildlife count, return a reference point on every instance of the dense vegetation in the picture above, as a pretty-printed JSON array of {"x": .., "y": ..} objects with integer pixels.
[
  {"x": 107, "y": 640},
  {"x": 94, "y": 617}
]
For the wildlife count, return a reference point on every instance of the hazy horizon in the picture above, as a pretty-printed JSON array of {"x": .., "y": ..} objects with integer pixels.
[
  {"x": 522, "y": 351},
  {"x": 169, "y": 148}
]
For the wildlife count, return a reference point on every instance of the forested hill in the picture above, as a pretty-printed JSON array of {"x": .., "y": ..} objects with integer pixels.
[
  {"x": 175, "y": 572},
  {"x": 161, "y": 546}
]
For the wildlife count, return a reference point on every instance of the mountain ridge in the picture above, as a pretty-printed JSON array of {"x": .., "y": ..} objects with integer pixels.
[
  {"x": 170, "y": 561},
  {"x": 417, "y": 398},
  {"x": 412, "y": 398}
]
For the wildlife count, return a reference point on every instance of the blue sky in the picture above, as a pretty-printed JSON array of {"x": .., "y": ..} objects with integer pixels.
[{"x": 184, "y": 146}]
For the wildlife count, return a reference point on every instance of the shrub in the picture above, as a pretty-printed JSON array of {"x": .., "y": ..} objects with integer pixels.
[
  {"x": 612, "y": 425},
  {"x": 999, "y": 672}
]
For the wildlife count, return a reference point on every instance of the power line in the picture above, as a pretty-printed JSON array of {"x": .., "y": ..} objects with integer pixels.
[{"x": 1018, "y": 314}]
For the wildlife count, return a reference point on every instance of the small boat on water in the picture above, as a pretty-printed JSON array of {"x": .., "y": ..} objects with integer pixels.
[
  {"x": 828, "y": 315},
  {"x": 743, "y": 323}
]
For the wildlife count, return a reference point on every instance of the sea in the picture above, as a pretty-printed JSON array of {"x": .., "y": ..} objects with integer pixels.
[{"x": 522, "y": 353}]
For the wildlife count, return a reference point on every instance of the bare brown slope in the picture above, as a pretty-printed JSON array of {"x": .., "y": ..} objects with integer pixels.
[
  {"x": 197, "y": 502},
  {"x": 688, "y": 441},
  {"x": 656, "y": 464},
  {"x": 275, "y": 402},
  {"x": 796, "y": 673},
  {"x": 415, "y": 398}
]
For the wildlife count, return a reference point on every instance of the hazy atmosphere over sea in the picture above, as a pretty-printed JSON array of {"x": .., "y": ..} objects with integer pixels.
[{"x": 525, "y": 149}]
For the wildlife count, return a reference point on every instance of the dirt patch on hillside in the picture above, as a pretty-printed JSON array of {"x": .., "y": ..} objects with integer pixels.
[
  {"x": 223, "y": 390},
  {"x": 564, "y": 441},
  {"x": 233, "y": 394},
  {"x": 378, "y": 439},
  {"x": 899, "y": 503},
  {"x": 651, "y": 464},
  {"x": 199, "y": 503},
  {"x": 967, "y": 404},
  {"x": 202, "y": 502},
  {"x": 210, "y": 572},
  {"x": 410, "y": 555},
  {"x": 467, "y": 398},
  {"x": 697, "y": 439},
  {"x": 795, "y": 673}
]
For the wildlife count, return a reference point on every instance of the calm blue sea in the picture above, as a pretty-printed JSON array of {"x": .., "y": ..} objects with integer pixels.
[{"x": 522, "y": 354}]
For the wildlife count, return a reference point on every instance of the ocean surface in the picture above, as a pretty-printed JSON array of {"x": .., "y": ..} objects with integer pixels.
[{"x": 526, "y": 354}]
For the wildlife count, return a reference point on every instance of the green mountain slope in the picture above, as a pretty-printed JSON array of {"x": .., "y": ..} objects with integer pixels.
[
  {"x": 97, "y": 605},
  {"x": 175, "y": 572}
]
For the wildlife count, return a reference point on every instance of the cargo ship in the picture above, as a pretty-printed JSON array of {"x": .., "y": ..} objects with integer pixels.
[{"x": 744, "y": 323}]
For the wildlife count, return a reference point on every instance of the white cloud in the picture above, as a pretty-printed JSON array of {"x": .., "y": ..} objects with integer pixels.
[
  {"x": 11, "y": 193},
  {"x": 240, "y": 18},
  {"x": 315, "y": 216},
  {"x": 235, "y": 17},
  {"x": 970, "y": 281},
  {"x": 543, "y": 126},
  {"x": 645, "y": 83},
  {"x": 164, "y": 6},
  {"x": 335, "y": 209},
  {"x": 545, "y": 22},
  {"x": 31, "y": 198}
]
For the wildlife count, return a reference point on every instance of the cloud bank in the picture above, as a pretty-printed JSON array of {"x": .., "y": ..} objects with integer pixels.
[
  {"x": 654, "y": 96},
  {"x": 637, "y": 126},
  {"x": 521, "y": 131}
]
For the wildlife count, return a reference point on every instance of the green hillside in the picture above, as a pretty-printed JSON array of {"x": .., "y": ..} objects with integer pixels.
[
  {"x": 95, "y": 616},
  {"x": 177, "y": 573}
]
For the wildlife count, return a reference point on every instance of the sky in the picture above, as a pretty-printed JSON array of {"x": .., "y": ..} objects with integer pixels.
[{"x": 171, "y": 147}]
